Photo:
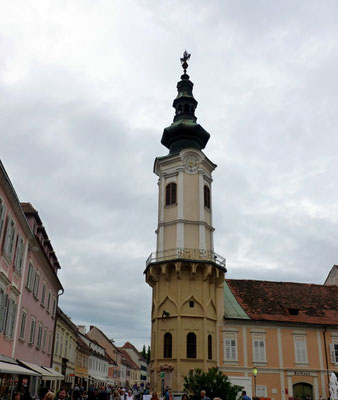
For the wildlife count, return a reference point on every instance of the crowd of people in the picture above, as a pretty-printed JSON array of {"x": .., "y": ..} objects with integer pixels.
[{"x": 108, "y": 393}]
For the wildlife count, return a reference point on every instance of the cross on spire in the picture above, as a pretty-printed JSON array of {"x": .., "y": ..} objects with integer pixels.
[{"x": 184, "y": 59}]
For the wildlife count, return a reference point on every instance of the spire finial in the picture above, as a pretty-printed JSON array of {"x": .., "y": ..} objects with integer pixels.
[{"x": 184, "y": 59}]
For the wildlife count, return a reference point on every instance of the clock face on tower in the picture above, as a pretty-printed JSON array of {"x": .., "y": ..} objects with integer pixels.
[{"x": 191, "y": 162}]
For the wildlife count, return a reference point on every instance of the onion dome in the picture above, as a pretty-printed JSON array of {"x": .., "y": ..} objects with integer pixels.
[{"x": 184, "y": 132}]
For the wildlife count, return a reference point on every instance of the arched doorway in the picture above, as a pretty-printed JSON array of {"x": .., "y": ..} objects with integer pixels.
[{"x": 302, "y": 391}]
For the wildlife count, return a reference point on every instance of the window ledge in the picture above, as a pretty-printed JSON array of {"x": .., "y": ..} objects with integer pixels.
[
  {"x": 301, "y": 364},
  {"x": 22, "y": 340},
  {"x": 171, "y": 205},
  {"x": 230, "y": 362},
  {"x": 259, "y": 363}
]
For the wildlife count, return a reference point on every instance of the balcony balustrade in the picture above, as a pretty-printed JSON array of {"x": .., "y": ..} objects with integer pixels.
[{"x": 186, "y": 254}]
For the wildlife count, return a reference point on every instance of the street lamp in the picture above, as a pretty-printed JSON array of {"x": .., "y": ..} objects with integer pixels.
[{"x": 254, "y": 374}]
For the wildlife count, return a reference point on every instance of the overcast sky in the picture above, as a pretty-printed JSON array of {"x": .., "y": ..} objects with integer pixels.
[{"x": 86, "y": 91}]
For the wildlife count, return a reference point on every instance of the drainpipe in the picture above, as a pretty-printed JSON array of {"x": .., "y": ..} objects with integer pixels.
[{"x": 326, "y": 360}]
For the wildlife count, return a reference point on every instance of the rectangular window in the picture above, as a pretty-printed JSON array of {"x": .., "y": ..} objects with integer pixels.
[
  {"x": 20, "y": 249},
  {"x": 61, "y": 346},
  {"x": 36, "y": 285},
  {"x": 300, "y": 349},
  {"x": 261, "y": 391},
  {"x": 32, "y": 331},
  {"x": 48, "y": 300},
  {"x": 44, "y": 340},
  {"x": 10, "y": 320},
  {"x": 3, "y": 308},
  {"x": 10, "y": 238},
  {"x": 230, "y": 347},
  {"x": 258, "y": 348},
  {"x": 2, "y": 215},
  {"x": 334, "y": 351},
  {"x": 23, "y": 325},
  {"x": 38, "y": 342},
  {"x": 54, "y": 306},
  {"x": 43, "y": 294},
  {"x": 30, "y": 277}
]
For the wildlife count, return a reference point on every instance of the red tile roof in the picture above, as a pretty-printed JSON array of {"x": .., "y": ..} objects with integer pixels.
[
  {"x": 128, "y": 359},
  {"x": 286, "y": 301}
]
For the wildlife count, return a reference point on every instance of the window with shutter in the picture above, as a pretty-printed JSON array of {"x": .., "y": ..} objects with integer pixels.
[
  {"x": 32, "y": 331},
  {"x": 261, "y": 391},
  {"x": 36, "y": 285},
  {"x": 20, "y": 247},
  {"x": 43, "y": 295},
  {"x": 23, "y": 325},
  {"x": 300, "y": 349},
  {"x": 10, "y": 238},
  {"x": 38, "y": 342},
  {"x": 230, "y": 346},
  {"x": 334, "y": 352},
  {"x": 3, "y": 309},
  {"x": 258, "y": 344},
  {"x": 2, "y": 215}
]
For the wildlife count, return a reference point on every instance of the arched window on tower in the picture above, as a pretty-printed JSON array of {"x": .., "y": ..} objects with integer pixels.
[
  {"x": 191, "y": 345},
  {"x": 209, "y": 347},
  {"x": 167, "y": 345},
  {"x": 206, "y": 196},
  {"x": 170, "y": 194},
  {"x": 186, "y": 108}
]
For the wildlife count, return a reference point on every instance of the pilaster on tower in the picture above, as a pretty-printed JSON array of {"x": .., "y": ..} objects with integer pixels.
[{"x": 186, "y": 275}]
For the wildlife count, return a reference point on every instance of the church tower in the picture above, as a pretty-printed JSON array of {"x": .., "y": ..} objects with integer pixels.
[{"x": 185, "y": 273}]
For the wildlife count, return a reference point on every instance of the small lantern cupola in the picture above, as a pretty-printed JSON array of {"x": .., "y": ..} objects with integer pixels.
[{"x": 184, "y": 132}]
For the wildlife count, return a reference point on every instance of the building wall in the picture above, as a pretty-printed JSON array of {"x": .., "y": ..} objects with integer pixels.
[
  {"x": 14, "y": 234},
  {"x": 286, "y": 363},
  {"x": 39, "y": 306},
  {"x": 65, "y": 346}
]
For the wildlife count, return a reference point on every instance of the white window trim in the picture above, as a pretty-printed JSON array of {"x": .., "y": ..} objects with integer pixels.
[
  {"x": 300, "y": 353},
  {"x": 32, "y": 337},
  {"x": 262, "y": 391},
  {"x": 43, "y": 293},
  {"x": 232, "y": 349},
  {"x": 39, "y": 338},
  {"x": 2, "y": 215},
  {"x": 333, "y": 355},
  {"x": 23, "y": 326},
  {"x": 9, "y": 244},
  {"x": 259, "y": 357}
]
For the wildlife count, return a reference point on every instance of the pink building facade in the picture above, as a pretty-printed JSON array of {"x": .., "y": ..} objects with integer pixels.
[
  {"x": 29, "y": 285},
  {"x": 39, "y": 296},
  {"x": 14, "y": 241}
]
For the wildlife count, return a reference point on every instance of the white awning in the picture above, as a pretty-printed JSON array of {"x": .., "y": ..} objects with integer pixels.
[
  {"x": 46, "y": 375},
  {"x": 6, "y": 368},
  {"x": 56, "y": 374}
]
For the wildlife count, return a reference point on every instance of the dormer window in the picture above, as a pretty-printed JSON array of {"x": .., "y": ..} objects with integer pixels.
[
  {"x": 293, "y": 311},
  {"x": 170, "y": 194}
]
